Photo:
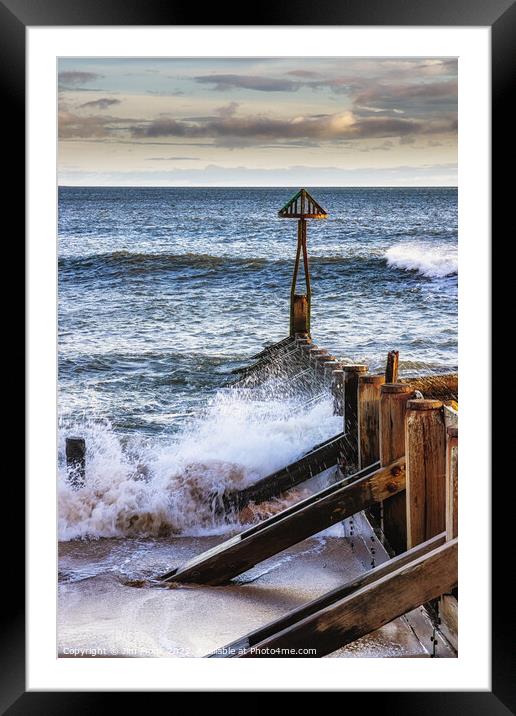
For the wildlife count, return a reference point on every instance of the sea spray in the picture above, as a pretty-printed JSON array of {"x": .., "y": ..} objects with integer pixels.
[{"x": 153, "y": 487}]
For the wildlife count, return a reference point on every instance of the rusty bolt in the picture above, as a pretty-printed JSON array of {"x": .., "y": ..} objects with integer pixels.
[
  {"x": 392, "y": 487},
  {"x": 396, "y": 470}
]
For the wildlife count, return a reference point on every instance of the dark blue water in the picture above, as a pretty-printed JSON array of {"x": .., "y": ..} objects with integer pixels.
[{"x": 162, "y": 291}]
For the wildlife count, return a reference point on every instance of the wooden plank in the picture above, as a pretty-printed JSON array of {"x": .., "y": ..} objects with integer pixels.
[
  {"x": 437, "y": 387},
  {"x": 351, "y": 377},
  {"x": 425, "y": 444},
  {"x": 310, "y": 608},
  {"x": 393, "y": 406},
  {"x": 366, "y": 609},
  {"x": 369, "y": 419},
  {"x": 291, "y": 526},
  {"x": 448, "y": 615},
  {"x": 317, "y": 460},
  {"x": 452, "y": 493}
]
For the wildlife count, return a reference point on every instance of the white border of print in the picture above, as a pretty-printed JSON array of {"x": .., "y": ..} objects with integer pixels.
[{"x": 471, "y": 670}]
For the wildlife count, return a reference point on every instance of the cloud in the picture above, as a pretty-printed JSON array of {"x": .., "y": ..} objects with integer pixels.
[
  {"x": 253, "y": 82},
  {"x": 255, "y": 129},
  {"x": 386, "y": 93},
  {"x": 228, "y": 110},
  {"x": 74, "y": 77},
  {"x": 102, "y": 103},
  {"x": 304, "y": 73},
  {"x": 74, "y": 126}
]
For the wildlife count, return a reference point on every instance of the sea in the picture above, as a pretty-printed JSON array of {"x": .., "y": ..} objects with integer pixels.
[{"x": 165, "y": 292}]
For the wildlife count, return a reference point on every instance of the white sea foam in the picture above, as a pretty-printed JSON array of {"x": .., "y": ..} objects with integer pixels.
[
  {"x": 431, "y": 261},
  {"x": 147, "y": 488}
]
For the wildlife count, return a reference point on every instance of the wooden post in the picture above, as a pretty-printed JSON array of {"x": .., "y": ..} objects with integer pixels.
[
  {"x": 300, "y": 322},
  {"x": 76, "y": 461},
  {"x": 369, "y": 419},
  {"x": 337, "y": 391},
  {"x": 351, "y": 378},
  {"x": 452, "y": 464},
  {"x": 391, "y": 369},
  {"x": 393, "y": 406},
  {"x": 425, "y": 448}
]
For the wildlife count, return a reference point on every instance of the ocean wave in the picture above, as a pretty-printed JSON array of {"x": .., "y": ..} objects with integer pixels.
[
  {"x": 144, "y": 488},
  {"x": 129, "y": 262},
  {"x": 429, "y": 261}
]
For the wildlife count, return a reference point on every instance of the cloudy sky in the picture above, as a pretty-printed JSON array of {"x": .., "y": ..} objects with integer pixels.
[{"x": 258, "y": 122}]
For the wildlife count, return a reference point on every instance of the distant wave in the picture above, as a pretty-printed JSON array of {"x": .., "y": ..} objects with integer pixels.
[
  {"x": 433, "y": 262},
  {"x": 136, "y": 262}
]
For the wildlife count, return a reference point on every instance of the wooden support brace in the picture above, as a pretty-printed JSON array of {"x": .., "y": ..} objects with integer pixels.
[
  {"x": 291, "y": 526},
  {"x": 316, "y": 605},
  {"x": 367, "y": 609}
]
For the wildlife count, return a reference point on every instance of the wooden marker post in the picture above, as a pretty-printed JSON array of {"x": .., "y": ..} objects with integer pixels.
[
  {"x": 301, "y": 206},
  {"x": 393, "y": 407},
  {"x": 425, "y": 443},
  {"x": 76, "y": 461},
  {"x": 452, "y": 468},
  {"x": 369, "y": 419},
  {"x": 351, "y": 379}
]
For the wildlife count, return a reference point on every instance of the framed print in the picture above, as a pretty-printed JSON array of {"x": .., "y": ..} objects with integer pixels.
[{"x": 257, "y": 262}]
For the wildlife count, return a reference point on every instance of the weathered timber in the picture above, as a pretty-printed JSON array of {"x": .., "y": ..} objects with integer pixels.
[
  {"x": 425, "y": 446},
  {"x": 452, "y": 468},
  {"x": 447, "y": 608},
  {"x": 437, "y": 387},
  {"x": 369, "y": 419},
  {"x": 367, "y": 609},
  {"x": 351, "y": 377},
  {"x": 391, "y": 369},
  {"x": 300, "y": 320},
  {"x": 291, "y": 526},
  {"x": 75, "y": 451},
  {"x": 317, "y": 460},
  {"x": 393, "y": 407},
  {"x": 326, "y": 600}
]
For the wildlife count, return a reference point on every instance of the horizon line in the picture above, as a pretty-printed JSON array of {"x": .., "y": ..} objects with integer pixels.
[{"x": 256, "y": 186}]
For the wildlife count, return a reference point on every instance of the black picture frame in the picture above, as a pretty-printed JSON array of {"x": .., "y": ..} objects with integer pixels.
[{"x": 500, "y": 16}]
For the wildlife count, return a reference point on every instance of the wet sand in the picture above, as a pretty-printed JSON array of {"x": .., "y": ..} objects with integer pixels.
[{"x": 111, "y": 605}]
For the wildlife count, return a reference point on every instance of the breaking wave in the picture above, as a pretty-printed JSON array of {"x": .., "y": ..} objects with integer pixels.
[
  {"x": 147, "y": 488},
  {"x": 430, "y": 261}
]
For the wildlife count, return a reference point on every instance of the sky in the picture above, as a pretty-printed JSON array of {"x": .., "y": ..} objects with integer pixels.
[{"x": 257, "y": 121}]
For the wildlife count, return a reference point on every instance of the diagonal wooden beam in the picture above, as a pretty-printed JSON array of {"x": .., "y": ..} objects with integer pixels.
[
  {"x": 311, "y": 608},
  {"x": 317, "y": 460},
  {"x": 367, "y": 609},
  {"x": 291, "y": 526}
]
